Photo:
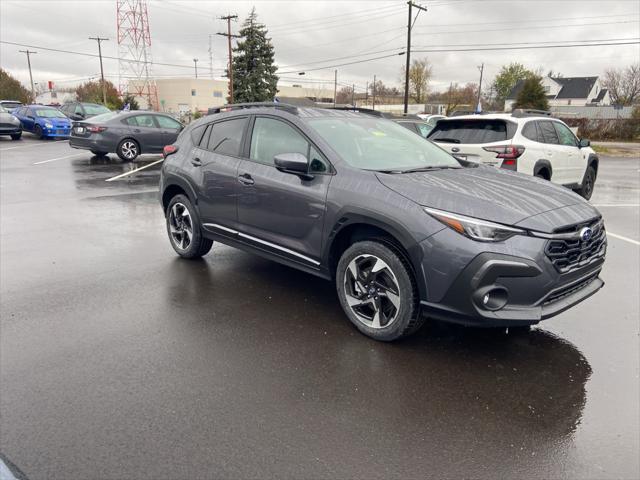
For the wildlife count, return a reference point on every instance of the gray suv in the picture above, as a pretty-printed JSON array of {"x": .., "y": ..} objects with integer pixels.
[{"x": 405, "y": 230}]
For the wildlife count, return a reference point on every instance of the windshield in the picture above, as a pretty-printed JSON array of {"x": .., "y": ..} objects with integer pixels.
[
  {"x": 378, "y": 144},
  {"x": 93, "y": 109},
  {"x": 49, "y": 113}
]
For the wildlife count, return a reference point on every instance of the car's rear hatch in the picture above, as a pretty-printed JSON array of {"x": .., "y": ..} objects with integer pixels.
[{"x": 467, "y": 138}]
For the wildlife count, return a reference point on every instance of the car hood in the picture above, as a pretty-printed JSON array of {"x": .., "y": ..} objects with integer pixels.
[
  {"x": 8, "y": 118},
  {"x": 58, "y": 122},
  {"x": 493, "y": 194}
]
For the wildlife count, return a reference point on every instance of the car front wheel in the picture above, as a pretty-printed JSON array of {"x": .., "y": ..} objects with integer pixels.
[
  {"x": 128, "y": 150},
  {"x": 16, "y": 136},
  {"x": 183, "y": 227},
  {"x": 586, "y": 190},
  {"x": 377, "y": 291},
  {"x": 38, "y": 132}
]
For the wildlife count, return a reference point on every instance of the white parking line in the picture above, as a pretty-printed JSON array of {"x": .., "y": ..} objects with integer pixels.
[
  {"x": 125, "y": 174},
  {"x": 34, "y": 145},
  {"x": 620, "y": 237},
  {"x": 59, "y": 158},
  {"x": 606, "y": 205}
]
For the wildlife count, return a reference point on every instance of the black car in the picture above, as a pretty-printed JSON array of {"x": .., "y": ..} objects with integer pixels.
[
  {"x": 403, "y": 228},
  {"x": 10, "y": 124},
  {"x": 128, "y": 134},
  {"x": 83, "y": 110}
]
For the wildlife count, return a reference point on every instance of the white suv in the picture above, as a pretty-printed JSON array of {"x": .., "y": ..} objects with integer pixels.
[{"x": 526, "y": 141}]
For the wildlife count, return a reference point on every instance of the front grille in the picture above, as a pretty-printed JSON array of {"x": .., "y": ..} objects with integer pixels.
[
  {"x": 570, "y": 254},
  {"x": 8, "y": 125},
  {"x": 564, "y": 292}
]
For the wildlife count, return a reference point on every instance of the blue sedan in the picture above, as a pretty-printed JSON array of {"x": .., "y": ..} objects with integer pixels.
[{"x": 43, "y": 122}]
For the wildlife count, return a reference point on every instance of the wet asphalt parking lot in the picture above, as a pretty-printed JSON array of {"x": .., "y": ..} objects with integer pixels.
[{"x": 120, "y": 361}]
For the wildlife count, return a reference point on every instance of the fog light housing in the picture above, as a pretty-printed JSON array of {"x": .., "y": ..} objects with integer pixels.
[{"x": 492, "y": 297}]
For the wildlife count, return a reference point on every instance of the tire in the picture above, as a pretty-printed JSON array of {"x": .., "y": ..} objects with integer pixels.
[
  {"x": 16, "y": 136},
  {"x": 128, "y": 150},
  {"x": 586, "y": 190},
  {"x": 98, "y": 153},
  {"x": 384, "y": 304},
  {"x": 180, "y": 224},
  {"x": 38, "y": 132}
]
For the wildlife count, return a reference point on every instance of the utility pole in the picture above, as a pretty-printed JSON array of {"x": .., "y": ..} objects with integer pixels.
[
  {"x": 353, "y": 95},
  {"x": 335, "y": 87},
  {"x": 228, "y": 18},
  {"x": 478, "y": 106},
  {"x": 210, "y": 57},
  {"x": 104, "y": 88},
  {"x": 195, "y": 64},
  {"x": 373, "y": 101},
  {"x": 408, "y": 65},
  {"x": 29, "y": 52},
  {"x": 366, "y": 94}
]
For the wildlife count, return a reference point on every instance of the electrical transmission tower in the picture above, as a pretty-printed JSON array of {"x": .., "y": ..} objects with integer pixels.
[{"x": 134, "y": 51}]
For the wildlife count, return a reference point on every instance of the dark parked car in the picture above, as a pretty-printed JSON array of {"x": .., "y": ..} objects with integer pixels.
[
  {"x": 43, "y": 121},
  {"x": 83, "y": 110},
  {"x": 128, "y": 134},
  {"x": 403, "y": 228},
  {"x": 9, "y": 124}
]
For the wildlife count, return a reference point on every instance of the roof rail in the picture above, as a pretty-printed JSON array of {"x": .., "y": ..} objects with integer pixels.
[
  {"x": 368, "y": 111},
  {"x": 458, "y": 113},
  {"x": 241, "y": 106},
  {"x": 529, "y": 112}
]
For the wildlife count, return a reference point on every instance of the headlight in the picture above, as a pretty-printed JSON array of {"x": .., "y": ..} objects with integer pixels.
[
  {"x": 48, "y": 125},
  {"x": 480, "y": 230}
]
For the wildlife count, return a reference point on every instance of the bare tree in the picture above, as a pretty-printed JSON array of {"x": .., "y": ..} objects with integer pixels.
[
  {"x": 419, "y": 76},
  {"x": 344, "y": 95},
  {"x": 623, "y": 84}
]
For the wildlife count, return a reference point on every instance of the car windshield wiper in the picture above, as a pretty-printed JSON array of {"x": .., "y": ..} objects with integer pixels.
[
  {"x": 429, "y": 169},
  {"x": 446, "y": 140}
]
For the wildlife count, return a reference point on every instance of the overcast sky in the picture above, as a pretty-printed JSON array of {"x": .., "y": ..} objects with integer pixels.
[{"x": 319, "y": 34}]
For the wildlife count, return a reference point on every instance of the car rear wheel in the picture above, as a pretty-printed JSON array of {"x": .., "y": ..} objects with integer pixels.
[
  {"x": 377, "y": 291},
  {"x": 128, "y": 149},
  {"x": 16, "y": 136},
  {"x": 183, "y": 228},
  {"x": 586, "y": 190},
  {"x": 38, "y": 132}
]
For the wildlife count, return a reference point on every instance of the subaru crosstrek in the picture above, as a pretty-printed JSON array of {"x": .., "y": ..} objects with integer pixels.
[{"x": 405, "y": 230}]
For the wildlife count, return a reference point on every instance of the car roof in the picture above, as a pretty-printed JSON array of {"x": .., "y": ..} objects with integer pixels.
[{"x": 496, "y": 116}]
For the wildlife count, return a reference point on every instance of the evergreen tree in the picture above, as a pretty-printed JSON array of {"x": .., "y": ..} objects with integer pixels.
[
  {"x": 532, "y": 95},
  {"x": 254, "y": 78}
]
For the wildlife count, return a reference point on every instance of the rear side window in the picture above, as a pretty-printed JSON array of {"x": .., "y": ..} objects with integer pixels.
[
  {"x": 141, "y": 121},
  {"x": 548, "y": 133},
  {"x": 226, "y": 137},
  {"x": 196, "y": 134},
  {"x": 530, "y": 131},
  {"x": 471, "y": 131}
]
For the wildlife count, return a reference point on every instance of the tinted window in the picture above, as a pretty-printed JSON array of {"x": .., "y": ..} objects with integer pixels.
[
  {"x": 470, "y": 131},
  {"x": 530, "y": 131},
  {"x": 166, "y": 122},
  {"x": 272, "y": 137},
  {"x": 424, "y": 129},
  {"x": 565, "y": 135},
  {"x": 548, "y": 132},
  {"x": 141, "y": 121},
  {"x": 196, "y": 134},
  {"x": 226, "y": 137},
  {"x": 317, "y": 164},
  {"x": 409, "y": 126},
  {"x": 78, "y": 109}
]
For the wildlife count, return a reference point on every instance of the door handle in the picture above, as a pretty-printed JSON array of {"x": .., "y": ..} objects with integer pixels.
[
  {"x": 196, "y": 162},
  {"x": 245, "y": 179}
]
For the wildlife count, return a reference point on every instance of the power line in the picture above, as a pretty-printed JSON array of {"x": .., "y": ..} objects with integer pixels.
[
  {"x": 528, "y": 47},
  {"x": 344, "y": 64}
]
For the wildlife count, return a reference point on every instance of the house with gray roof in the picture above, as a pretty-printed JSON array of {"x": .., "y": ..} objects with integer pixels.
[{"x": 562, "y": 91}]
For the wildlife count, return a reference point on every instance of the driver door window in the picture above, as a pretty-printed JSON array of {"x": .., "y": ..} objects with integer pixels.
[{"x": 273, "y": 137}]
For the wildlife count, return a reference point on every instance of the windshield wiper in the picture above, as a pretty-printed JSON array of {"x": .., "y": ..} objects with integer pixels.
[
  {"x": 429, "y": 169},
  {"x": 446, "y": 140}
]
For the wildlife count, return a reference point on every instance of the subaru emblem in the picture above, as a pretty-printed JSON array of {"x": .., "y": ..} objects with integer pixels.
[{"x": 585, "y": 234}]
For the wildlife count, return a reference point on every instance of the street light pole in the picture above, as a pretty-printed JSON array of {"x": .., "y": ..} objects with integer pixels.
[
  {"x": 335, "y": 87},
  {"x": 195, "y": 64},
  {"x": 478, "y": 106},
  {"x": 104, "y": 89}
]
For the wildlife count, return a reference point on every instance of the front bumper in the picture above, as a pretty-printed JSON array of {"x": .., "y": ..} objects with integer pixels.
[
  {"x": 57, "y": 132},
  {"x": 514, "y": 284},
  {"x": 10, "y": 129}
]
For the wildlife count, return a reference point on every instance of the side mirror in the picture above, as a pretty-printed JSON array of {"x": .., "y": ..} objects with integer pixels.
[
  {"x": 584, "y": 143},
  {"x": 294, "y": 163}
]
